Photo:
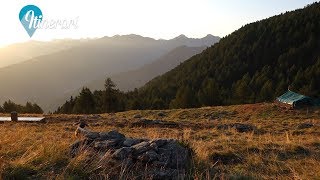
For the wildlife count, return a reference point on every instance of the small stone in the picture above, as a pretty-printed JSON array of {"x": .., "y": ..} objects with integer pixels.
[
  {"x": 243, "y": 127},
  {"x": 137, "y": 116},
  {"x": 161, "y": 114},
  {"x": 238, "y": 126},
  {"x": 157, "y": 121},
  {"x": 305, "y": 126}
]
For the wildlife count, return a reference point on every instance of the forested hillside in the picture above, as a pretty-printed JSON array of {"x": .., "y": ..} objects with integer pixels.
[{"x": 256, "y": 63}]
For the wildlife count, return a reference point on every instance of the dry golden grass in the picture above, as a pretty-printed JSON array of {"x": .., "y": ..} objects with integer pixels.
[{"x": 279, "y": 148}]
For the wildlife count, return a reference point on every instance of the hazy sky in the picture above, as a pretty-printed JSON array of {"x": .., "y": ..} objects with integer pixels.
[{"x": 152, "y": 18}]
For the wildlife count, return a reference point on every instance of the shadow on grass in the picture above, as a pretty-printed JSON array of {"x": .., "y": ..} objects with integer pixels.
[{"x": 19, "y": 172}]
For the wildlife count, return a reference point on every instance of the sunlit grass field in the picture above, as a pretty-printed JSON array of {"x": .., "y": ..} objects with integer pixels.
[{"x": 284, "y": 144}]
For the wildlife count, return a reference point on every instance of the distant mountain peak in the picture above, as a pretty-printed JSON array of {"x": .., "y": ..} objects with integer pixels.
[
  {"x": 209, "y": 36},
  {"x": 181, "y": 36},
  {"x": 184, "y": 37}
]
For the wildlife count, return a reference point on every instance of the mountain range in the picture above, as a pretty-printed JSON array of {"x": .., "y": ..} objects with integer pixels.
[
  {"x": 127, "y": 81},
  {"x": 58, "y": 70},
  {"x": 19, "y": 52}
]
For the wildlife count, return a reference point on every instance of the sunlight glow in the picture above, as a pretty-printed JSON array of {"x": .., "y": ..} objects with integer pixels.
[{"x": 151, "y": 18}]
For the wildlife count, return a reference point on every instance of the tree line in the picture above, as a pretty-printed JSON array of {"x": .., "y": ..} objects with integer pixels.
[
  {"x": 99, "y": 101},
  {"x": 9, "y": 106}
]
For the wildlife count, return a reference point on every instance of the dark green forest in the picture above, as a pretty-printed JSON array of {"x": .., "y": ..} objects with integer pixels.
[
  {"x": 10, "y": 106},
  {"x": 254, "y": 64}
]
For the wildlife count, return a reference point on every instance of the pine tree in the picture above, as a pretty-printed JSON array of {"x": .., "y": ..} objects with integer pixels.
[
  {"x": 184, "y": 98},
  {"x": 110, "y": 96},
  {"x": 209, "y": 94},
  {"x": 84, "y": 103},
  {"x": 242, "y": 92},
  {"x": 28, "y": 108},
  {"x": 36, "y": 109},
  {"x": 9, "y": 106},
  {"x": 266, "y": 92}
]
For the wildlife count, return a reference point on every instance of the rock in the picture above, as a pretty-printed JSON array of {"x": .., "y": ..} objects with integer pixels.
[
  {"x": 156, "y": 122},
  {"x": 154, "y": 146},
  {"x": 305, "y": 126},
  {"x": 104, "y": 135},
  {"x": 100, "y": 145},
  {"x": 159, "y": 142},
  {"x": 75, "y": 147},
  {"x": 165, "y": 174},
  {"x": 130, "y": 142},
  {"x": 141, "y": 147},
  {"x": 238, "y": 126},
  {"x": 126, "y": 163},
  {"x": 105, "y": 145},
  {"x": 153, "y": 123},
  {"x": 111, "y": 135},
  {"x": 244, "y": 127},
  {"x": 81, "y": 131},
  {"x": 122, "y": 153},
  {"x": 159, "y": 164},
  {"x": 137, "y": 116},
  {"x": 92, "y": 135},
  {"x": 226, "y": 158},
  {"x": 116, "y": 135},
  {"x": 175, "y": 155},
  {"x": 161, "y": 114},
  {"x": 148, "y": 122},
  {"x": 148, "y": 156},
  {"x": 155, "y": 159}
]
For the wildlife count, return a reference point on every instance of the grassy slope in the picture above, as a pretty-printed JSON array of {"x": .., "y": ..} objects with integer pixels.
[{"x": 277, "y": 149}]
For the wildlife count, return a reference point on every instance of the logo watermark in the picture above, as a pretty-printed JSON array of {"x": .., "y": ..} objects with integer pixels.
[{"x": 31, "y": 18}]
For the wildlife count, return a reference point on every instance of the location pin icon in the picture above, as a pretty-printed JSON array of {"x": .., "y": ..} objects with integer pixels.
[{"x": 30, "y": 17}]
